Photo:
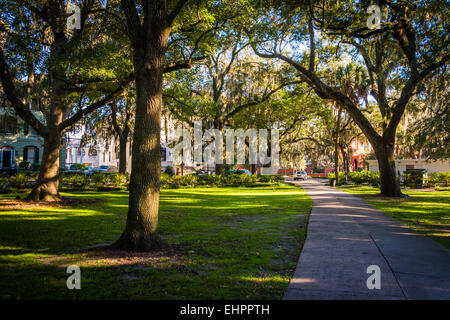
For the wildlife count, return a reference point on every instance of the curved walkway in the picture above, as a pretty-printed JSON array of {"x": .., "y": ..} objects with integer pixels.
[{"x": 346, "y": 235}]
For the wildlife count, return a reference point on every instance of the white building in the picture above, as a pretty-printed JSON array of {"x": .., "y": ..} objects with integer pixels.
[
  {"x": 402, "y": 165},
  {"x": 107, "y": 152}
]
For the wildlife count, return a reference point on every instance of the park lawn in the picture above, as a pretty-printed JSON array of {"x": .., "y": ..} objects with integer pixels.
[
  {"x": 427, "y": 212},
  {"x": 223, "y": 243}
]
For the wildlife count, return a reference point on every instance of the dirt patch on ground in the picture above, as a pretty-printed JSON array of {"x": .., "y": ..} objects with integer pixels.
[
  {"x": 167, "y": 256},
  {"x": 65, "y": 202}
]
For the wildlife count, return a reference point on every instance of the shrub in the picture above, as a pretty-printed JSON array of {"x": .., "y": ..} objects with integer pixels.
[
  {"x": 77, "y": 166},
  {"x": 18, "y": 181},
  {"x": 75, "y": 181},
  {"x": 118, "y": 179},
  {"x": 4, "y": 185},
  {"x": 359, "y": 177},
  {"x": 364, "y": 176},
  {"x": 275, "y": 178},
  {"x": 438, "y": 179},
  {"x": 169, "y": 171},
  {"x": 100, "y": 179},
  {"x": 164, "y": 180},
  {"x": 168, "y": 181},
  {"x": 24, "y": 165}
]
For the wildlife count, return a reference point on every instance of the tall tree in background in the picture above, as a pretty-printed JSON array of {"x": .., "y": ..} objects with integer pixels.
[
  {"x": 410, "y": 46},
  {"x": 230, "y": 84},
  {"x": 68, "y": 72},
  {"x": 114, "y": 120}
]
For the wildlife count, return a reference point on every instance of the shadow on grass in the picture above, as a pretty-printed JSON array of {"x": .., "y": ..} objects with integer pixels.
[{"x": 238, "y": 243}]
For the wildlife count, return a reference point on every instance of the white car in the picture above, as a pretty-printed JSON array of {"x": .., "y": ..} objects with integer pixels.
[{"x": 301, "y": 175}]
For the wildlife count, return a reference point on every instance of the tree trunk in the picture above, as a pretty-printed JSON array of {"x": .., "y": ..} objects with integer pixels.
[
  {"x": 46, "y": 188},
  {"x": 123, "y": 155},
  {"x": 336, "y": 160},
  {"x": 142, "y": 220},
  {"x": 336, "y": 146},
  {"x": 389, "y": 184},
  {"x": 219, "y": 168}
]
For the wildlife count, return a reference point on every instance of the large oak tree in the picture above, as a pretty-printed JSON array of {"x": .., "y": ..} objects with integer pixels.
[
  {"x": 409, "y": 47},
  {"x": 66, "y": 73}
]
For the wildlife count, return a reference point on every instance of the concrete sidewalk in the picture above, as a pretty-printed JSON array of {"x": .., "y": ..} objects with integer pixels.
[{"x": 346, "y": 235}]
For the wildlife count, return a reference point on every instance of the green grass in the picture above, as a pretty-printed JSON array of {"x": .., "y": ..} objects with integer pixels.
[
  {"x": 229, "y": 243},
  {"x": 427, "y": 212}
]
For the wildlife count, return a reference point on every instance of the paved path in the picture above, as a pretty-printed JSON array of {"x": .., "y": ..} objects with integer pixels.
[{"x": 346, "y": 235}]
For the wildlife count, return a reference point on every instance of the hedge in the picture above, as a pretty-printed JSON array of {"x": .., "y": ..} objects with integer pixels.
[
  {"x": 118, "y": 181},
  {"x": 361, "y": 177},
  {"x": 168, "y": 181},
  {"x": 438, "y": 179}
]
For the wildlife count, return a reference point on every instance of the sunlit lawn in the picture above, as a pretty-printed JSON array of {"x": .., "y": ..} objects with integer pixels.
[
  {"x": 427, "y": 212},
  {"x": 225, "y": 243}
]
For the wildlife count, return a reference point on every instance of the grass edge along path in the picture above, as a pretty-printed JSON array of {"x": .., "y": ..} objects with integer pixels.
[{"x": 424, "y": 211}]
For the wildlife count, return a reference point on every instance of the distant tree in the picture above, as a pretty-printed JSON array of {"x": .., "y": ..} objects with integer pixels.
[
  {"x": 226, "y": 87},
  {"x": 65, "y": 74},
  {"x": 114, "y": 120}
]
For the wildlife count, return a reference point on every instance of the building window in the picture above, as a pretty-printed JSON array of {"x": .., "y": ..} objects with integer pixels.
[
  {"x": 7, "y": 157},
  {"x": 163, "y": 154},
  {"x": 8, "y": 124},
  {"x": 31, "y": 154}
]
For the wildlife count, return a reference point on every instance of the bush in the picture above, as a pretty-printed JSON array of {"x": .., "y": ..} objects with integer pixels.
[
  {"x": 24, "y": 165},
  {"x": 168, "y": 181},
  {"x": 169, "y": 171},
  {"x": 77, "y": 166},
  {"x": 364, "y": 176},
  {"x": 100, "y": 179},
  {"x": 18, "y": 181},
  {"x": 275, "y": 178},
  {"x": 118, "y": 179},
  {"x": 75, "y": 181},
  {"x": 4, "y": 185},
  {"x": 360, "y": 177},
  {"x": 332, "y": 175},
  {"x": 438, "y": 179}
]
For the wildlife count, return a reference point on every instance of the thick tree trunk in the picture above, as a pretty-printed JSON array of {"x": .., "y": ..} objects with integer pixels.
[
  {"x": 123, "y": 155},
  {"x": 46, "y": 188},
  {"x": 142, "y": 220},
  {"x": 389, "y": 184}
]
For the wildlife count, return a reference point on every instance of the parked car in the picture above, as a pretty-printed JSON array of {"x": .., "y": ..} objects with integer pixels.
[
  {"x": 102, "y": 168},
  {"x": 200, "y": 173},
  {"x": 240, "y": 171},
  {"x": 76, "y": 168},
  {"x": 301, "y": 175}
]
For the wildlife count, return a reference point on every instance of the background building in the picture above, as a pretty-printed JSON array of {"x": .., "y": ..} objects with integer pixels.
[{"x": 19, "y": 142}]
